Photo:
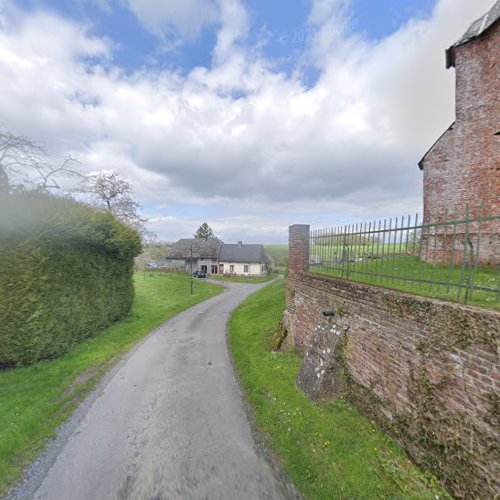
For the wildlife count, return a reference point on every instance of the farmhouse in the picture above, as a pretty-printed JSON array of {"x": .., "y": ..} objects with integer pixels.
[
  {"x": 194, "y": 254},
  {"x": 462, "y": 169},
  {"x": 242, "y": 260},
  {"x": 215, "y": 257}
]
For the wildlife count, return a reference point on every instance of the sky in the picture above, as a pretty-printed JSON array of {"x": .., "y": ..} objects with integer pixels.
[{"x": 251, "y": 115}]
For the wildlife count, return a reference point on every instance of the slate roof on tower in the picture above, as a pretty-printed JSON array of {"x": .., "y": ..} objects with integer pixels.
[{"x": 476, "y": 29}]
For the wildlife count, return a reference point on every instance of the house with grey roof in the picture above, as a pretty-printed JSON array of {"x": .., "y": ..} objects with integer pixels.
[
  {"x": 194, "y": 254},
  {"x": 215, "y": 257},
  {"x": 242, "y": 260}
]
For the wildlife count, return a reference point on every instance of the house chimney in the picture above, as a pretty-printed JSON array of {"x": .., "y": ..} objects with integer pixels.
[{"x": 240, "y": 244}]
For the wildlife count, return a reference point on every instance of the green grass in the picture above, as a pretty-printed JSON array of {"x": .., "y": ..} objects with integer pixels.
[
  {"x": 279, "y": 253},
  {"x": 329, "y": 450},
  {"x": 36, "y": 399},
  {"x": 400, "y": 267},
  {"x": 243, "y": 279}
]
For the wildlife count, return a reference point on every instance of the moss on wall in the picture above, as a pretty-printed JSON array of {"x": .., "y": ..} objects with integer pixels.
[{"x": 425, "y": 370}]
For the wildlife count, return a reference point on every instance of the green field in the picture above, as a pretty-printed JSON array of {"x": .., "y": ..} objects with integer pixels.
[
  {"x": 408, "y": 273},
  {"x": 401, "y": 269},
  {"x": 34, "y": 400},
  {"x": 328, "y": 450},
  {"x": 279, "y": 253}
]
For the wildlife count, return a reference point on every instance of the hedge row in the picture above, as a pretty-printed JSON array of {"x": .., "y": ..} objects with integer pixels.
[{"x": 65, "y": 273}]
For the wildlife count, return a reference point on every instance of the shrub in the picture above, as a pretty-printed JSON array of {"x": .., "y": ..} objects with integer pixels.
[{"x": 65, "y": 273}]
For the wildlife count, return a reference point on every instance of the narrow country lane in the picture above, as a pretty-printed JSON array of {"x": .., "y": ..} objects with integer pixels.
[{"x": 168, "y": 422}]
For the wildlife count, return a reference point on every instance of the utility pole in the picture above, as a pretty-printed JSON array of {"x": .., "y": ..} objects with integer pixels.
[{"x": 191, "y": 268}]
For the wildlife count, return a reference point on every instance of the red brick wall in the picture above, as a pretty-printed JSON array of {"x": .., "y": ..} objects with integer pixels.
[
  {"x": 447, "y": 244},
  {"x": 298, "y": 259},
  {"x": 463, "y": 168},
  {"x": 432, "y": 367}
]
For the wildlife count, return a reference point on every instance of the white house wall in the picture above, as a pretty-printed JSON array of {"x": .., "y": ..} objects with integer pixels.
[
  {"x": 253, "y": 269},
  {"x": 181, "y": 263}
]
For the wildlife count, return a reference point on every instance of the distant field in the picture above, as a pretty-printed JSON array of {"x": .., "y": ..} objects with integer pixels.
[
  {"x": 410, "y": 274},
  {"x": 279, "y": 253}
]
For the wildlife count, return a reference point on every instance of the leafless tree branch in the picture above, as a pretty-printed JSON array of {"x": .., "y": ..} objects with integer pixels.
[
  {"x": 109, "y": 192},
  {"x": 24, "y": 165}
]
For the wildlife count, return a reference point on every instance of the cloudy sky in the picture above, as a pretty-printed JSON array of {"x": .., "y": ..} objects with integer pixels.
[{"x": 248, "y": 114}]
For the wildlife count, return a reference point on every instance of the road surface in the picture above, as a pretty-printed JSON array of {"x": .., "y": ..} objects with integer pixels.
[{"x": 168, "y": 422}]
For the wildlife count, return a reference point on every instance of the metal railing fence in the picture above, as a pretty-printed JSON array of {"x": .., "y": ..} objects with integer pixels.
[{"x": 449, "y": 258}]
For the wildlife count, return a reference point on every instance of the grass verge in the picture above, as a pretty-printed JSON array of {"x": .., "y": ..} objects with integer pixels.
[
  {"x": 35, "y": 400},
  {"x": 329, "y": 450},
  {"x": 244, "y": 279}
]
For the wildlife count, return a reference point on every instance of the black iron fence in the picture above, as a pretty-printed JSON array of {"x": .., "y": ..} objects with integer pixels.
[{"x": 442, "y": 257}]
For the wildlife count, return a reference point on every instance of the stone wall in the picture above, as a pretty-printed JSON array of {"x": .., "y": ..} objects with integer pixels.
[{"x": 426, "y": 370}]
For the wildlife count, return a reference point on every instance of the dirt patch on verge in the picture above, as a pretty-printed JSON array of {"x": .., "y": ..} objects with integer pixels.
[{"x": 93, "y": 373}]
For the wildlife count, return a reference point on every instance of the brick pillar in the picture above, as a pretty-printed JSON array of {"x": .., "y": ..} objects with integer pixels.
[
  {"x": 298, "y": 247},
  {"x": 298, "y": 260}
]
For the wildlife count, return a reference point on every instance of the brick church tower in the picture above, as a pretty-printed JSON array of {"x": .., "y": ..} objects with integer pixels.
[{"x": 462, "y": 168}]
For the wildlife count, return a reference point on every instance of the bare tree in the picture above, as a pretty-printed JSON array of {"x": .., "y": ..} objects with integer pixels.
[
  {"x": 24, "y": 165},
  {"x": 113, "y": 194}
]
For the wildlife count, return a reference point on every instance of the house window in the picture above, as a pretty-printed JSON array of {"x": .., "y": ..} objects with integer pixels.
[
  {"x": 231, "y": 268},
  {"x": 204, "y": 269},
  {"x": 245, "y": 268},
  {"x": 262, "y": 269},
  {"x": 214, "y": 269}
]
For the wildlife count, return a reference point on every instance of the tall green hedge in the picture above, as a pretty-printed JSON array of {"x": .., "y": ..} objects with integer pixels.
[{"x": 65, "y": 273}]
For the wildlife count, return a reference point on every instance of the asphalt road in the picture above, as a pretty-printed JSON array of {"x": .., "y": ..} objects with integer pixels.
[{"x": 168, "y": 422}]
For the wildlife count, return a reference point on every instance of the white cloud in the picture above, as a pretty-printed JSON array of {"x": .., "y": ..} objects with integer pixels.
[
  {"x": 332, "y": 28},
  {"x": 256, "y": 146},
  {"x": 185, "y": 19},
  {"x": 179, "y": 22},
  {"x": 234, "y": 26}
]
